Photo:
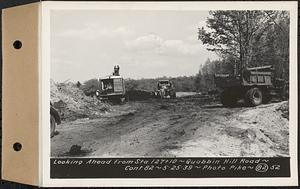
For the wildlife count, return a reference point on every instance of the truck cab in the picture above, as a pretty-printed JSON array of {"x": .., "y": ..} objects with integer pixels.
[{"x": 166, "y": 89}]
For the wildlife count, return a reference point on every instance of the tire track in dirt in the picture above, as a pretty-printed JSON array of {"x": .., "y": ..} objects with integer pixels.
[{"x": 168, "y": 128}]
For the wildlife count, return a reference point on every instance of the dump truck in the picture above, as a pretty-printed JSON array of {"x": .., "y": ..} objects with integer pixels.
[
  {"x": 54, "y": 120},
  {"x": 254, "y": 85},
  {"x": 165, "y": 89},
  {"x": 112, "y": 88}
]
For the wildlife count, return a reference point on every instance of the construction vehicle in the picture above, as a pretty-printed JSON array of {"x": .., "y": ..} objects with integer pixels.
[
  {"x": 165, "y": 89},
  {"x": 54, "y": 120},
  {"x": 112, "y": 87},
  {"x": 255, "y": 86}
]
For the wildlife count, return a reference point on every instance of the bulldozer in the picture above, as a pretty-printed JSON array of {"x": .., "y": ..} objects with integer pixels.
[
  {"x": 112, "y": 88},
  {"x": 254, "y": 85},
  {"x": 165, "y": 89}
]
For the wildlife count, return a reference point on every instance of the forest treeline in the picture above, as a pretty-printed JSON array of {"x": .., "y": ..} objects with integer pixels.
[
  {"x": 241, "y": 39},
  {"x": 244, "y": 39},
  {"x": 182, "y": 83}
]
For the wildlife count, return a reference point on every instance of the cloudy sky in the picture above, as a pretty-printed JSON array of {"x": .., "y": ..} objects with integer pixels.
[{"x": 146, "y": 44}]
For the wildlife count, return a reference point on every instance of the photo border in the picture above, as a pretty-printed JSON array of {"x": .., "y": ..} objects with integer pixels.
[{"x": 44, "y": 147}]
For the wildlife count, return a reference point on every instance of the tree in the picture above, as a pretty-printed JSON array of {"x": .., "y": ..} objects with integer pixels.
[
  {"x": 232, "y": 33},
  {"x": 204, "y": 79},
  {"x": 273, "y": 47},
  {"x": 198, "y": 80}
]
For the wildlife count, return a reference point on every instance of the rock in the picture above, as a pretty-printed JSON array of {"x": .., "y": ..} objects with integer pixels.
[
  {"x": 75, "y": 150},
  {"x": 284, "y": 108}
]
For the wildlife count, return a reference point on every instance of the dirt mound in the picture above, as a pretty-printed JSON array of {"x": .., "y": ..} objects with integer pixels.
[
  {"x": 73, "y": 104},
  {"x": 261, "y": 131},
  {"x": 284, "y": 109}
]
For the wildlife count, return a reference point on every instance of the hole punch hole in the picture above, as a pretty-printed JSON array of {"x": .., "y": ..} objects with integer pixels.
[
  {"x": 17, "y": 146},
  {"x": 17, "y": 44}
]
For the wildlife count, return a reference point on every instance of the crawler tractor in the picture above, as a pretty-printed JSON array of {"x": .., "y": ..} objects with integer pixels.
[
  {"x": 112, "y": 88},
  {"x": 255, "y": 85}
]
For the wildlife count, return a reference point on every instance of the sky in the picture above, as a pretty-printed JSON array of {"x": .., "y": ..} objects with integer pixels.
[{"x": 145, "y": 44}]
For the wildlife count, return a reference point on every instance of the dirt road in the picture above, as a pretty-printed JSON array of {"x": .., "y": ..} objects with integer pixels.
[{"x": 177, "y": 128}]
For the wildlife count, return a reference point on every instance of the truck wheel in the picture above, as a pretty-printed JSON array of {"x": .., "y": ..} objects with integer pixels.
[
  {"x": 52, "y": 126},
  {"x": 254, "y": 97},
  {"x": 227, "y": 99}
]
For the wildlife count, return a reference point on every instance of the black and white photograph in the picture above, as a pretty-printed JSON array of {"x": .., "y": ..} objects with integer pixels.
[
  {"x": 150, "y": 94},
  {"x": 160, "y": 91},
  {"x": 169, "y": 83}
]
